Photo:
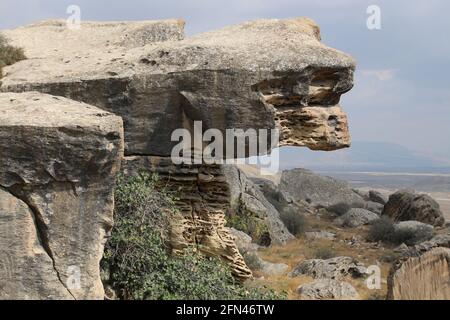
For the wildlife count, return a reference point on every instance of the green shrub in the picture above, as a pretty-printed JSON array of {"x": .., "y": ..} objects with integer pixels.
[
  {"x": 9, "y": 54},
  {"x": 324, "y": 252},
  {"x": 252, "y": 261},
  {"x": 138, "y": 264},
  {"x": 294, "y": 221},
  {"x": 340, "y": 208},
  {"x": 252, "y": 225},
  {"x": 383, "y": 230}
]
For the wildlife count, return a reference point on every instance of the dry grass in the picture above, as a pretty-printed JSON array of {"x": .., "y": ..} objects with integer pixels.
[{"x": 302, "y": 249}]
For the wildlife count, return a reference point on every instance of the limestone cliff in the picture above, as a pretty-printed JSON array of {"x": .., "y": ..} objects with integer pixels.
[
  {"x": 263, "y": 74},
  {"x": 58, "y": 165}
]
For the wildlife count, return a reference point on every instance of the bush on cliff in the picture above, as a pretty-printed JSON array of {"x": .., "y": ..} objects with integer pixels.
[
  {"x": 9, "y": 54},
  {"x": 138, "y": 263}
]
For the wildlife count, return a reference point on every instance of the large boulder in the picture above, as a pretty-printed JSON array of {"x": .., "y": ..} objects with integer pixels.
[
  {"x": 356, "y": 217},
  {"x": 334, "y": 268},
  {"x": 304, "y": 185},
  {"x": 58, "y": 166},
  {"x": 327, "y": 289},
  {"x": 406, "y": 206},
  {"x": 422, "y": 277},
  {"x": 263, "y": 74}
]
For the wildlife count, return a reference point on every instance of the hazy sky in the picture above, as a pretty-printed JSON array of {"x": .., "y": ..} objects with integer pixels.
[{"x": 402, "y": 84}]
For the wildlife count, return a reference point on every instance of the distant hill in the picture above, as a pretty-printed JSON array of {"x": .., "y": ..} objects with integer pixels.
[{"x": 363, "y": 156}]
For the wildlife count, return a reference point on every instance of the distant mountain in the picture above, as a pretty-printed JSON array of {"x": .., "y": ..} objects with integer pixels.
[{"x": 363, "y": 156}]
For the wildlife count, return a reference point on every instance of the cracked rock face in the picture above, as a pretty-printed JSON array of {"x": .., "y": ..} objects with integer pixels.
[
  {"x": 262, "y": 74},
  {"x": 58, "y": 164},
  {"x": 422, "y": 277}
]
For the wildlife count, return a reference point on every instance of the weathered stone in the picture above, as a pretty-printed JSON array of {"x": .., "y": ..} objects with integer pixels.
[
  {"x": 263, "y": 74},
  {"x": 317, "y": 235},
  {"x": 356, "y": 217},
  {"x": 243, "y": 241},
  {"x": 425, "y": 277},
  {"x": 406, "y": 206},
  {"x": 248, "y": 201},
  {"x": 374, "y": 207},
  {"x": 334, "y": 268},
  {"x": 328, "y": 289},
  {"x": 304, "y": 185},
  {"x": 378, "y": 197},
  {"x": 58, "y": 165},
  {"x": 203, "y": 203}
]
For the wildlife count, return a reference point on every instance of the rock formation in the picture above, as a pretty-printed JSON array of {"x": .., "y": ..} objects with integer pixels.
[
  {"x": 328, "y": 289},
  {"x": 335, "y": 268},
  {"x": 264, "y": 74},
  {"x": 58, "y": 165},
  {"x": 304, "y": 185},
  {"x": 356, "y": 217},
  {"x": 406, "y": 206},
  {"x": 423, "y": 277}
]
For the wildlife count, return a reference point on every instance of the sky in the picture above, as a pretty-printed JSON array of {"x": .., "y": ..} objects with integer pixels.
[{"x": 402, "y": 85}]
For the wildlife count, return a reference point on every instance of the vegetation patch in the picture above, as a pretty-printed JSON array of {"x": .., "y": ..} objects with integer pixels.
[
  {"x": 383, "y": 230},
  {"x": 9, "y": 54},
  {"x": 252, "y": 225},
  {"x": 294, "y": 221},
  {"x": 137, "y": 263}
]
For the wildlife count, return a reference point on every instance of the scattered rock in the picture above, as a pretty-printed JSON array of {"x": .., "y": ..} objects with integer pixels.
[
  {"x": 356, "y": 217},
  {"x": 243, "y": 241},
  {"x": 406, "y": 206},
  {"x": 374, "y": 207},
  {"x": 334, "y": 268},
  {"x": 378, "y": 197},
  {"x": 327, "y": 289},
  {"x": 320, "y": 235},
  {"x": 273, "y": 269}
]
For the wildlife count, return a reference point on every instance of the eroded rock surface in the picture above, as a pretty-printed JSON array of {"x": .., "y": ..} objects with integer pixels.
[
  {"x": 406, "y": 206},
  {"x": 58, "y": 165},
  {"x": 304, "y": 185},
  {"x": 334, "y": 268},
  {"x": 356, "y": 217},
  {"x": 262, "y": 74},
  {"x": 328, "y": 289},
  {"x": 423, "y": 277}
]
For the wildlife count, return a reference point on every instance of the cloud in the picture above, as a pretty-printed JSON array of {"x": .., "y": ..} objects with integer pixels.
[{"x": 382, "y": 75}]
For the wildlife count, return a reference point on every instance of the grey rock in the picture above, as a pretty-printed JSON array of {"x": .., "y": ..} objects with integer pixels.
[
  {"x": 317, "y": 235},
  {"x": 247, "y": 199},
  {"x": 328, "y": 289},
  {"x": 374, "y": 207},
  {"x": 378, "y": 197},
  {"x": 262, "y": 74},
  {"x": 356, "y": 217},
  {"x": 273, "y": 269},
  {"x": 243, "y": 241},
  {"x": 406, "y": 206},
  {"x": 304, "y": 185},
  {"x": 334, "y": 268},
  {"x": 58, "y": 166}
]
